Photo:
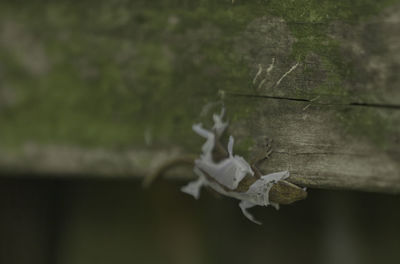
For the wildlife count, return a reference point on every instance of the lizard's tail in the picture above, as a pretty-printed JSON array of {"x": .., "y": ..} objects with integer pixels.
[{"x": 179, "y": 161}]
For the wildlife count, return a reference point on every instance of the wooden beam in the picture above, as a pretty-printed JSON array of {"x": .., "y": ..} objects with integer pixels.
[{"x": 111, "y": 89}]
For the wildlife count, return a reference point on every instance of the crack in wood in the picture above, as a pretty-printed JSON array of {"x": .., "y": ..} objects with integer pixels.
[
  {"x": 355, "y": 104},
  {"x": 322, "y": 153}
]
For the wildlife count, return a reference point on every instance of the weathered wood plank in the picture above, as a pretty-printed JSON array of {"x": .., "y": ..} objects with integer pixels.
[
  {"x": 321, "y": 153},
  {"x": 111, "y": 89}
]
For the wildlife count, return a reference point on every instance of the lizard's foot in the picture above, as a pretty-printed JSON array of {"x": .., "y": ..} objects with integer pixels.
[
  {"x": 268, "y": 148},
  {"x": 266, "y": 153}
]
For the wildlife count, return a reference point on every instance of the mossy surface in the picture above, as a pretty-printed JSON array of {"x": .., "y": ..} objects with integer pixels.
[{"x": 120, "y": 73}]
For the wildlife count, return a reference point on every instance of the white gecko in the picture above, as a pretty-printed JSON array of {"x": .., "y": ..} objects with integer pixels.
[{"x": 225, "y": 176}]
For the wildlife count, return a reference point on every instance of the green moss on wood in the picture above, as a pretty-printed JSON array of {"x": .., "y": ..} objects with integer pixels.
[{"x": 124, "y": 71}]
